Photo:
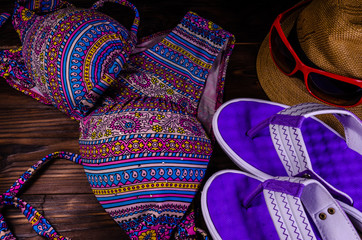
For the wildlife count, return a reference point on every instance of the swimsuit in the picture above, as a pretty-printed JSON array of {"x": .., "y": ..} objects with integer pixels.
[{"x": 145, "y": 143}]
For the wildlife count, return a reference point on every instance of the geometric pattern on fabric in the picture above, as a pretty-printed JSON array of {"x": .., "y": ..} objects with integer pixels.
[
  {"x": 179, "y": 66},
  {"x": 143, "y": 149},
  {"x": 43, "y": 6},
  {"x": 73, "y": 55},
  {"x": 40, "y": 225},
  {"x": 142, "y": 174}
]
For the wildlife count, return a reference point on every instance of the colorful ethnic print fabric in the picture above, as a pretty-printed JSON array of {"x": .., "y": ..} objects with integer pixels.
[
  {"x": 144, "y": 111},
  {"x": 40, "y": 225},
  {"x": 73, "y": 55},
  {"x": 144, "y": 150}
]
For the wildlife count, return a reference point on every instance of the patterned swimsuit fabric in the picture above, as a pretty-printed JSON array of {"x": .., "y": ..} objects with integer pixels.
[{"x": 144, "y": 110}]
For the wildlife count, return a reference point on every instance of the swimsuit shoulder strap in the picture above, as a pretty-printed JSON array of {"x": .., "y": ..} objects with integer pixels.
[{"x": 41, "y": 226}]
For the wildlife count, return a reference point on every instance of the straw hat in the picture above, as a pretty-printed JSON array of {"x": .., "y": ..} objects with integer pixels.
[{"x": 330, "y": 34}]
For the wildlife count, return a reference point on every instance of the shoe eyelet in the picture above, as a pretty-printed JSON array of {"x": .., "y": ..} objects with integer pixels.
[
  {"x": 323, "y": 216},
  {"x": 331, "y": 211}
]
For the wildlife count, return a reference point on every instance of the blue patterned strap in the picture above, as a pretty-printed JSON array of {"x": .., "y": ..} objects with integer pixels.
[
  {"x": 40, "y": 225},
  {"x": 5, "y": 233},
  {"x": 15, "y": 188},
  {"x": 3, "y": 18},
  {"x": 290, "y": 199},
  {"x": 134, "y": 27}
]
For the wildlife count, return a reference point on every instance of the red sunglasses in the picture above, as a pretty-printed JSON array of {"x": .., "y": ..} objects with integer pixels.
[{"x": 327, "y": 87}]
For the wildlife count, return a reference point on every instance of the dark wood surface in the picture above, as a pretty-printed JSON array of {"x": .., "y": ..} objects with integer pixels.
[{"x": 30, "y": 130}]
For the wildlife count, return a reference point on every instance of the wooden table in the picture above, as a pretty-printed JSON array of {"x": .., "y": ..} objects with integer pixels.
[{"x": 30, "y": 130}]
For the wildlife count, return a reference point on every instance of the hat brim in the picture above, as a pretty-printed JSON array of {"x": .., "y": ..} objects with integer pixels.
[{"x": 288, "y": 90}]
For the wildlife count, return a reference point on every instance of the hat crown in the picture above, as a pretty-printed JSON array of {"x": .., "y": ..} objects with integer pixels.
[{"x": 330, "y": 34}]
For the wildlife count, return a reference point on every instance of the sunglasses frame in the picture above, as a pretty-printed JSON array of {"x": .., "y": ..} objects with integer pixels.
[{"x": 300, "y": 66}]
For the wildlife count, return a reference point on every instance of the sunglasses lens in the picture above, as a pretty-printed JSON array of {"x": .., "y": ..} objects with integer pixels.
[
  {"x": 334, "y": 91},
  {"x": 281, "y": 55}
]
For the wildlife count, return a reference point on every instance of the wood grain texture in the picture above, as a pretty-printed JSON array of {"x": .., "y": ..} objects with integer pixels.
[{"x": 30, "y": 130}]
